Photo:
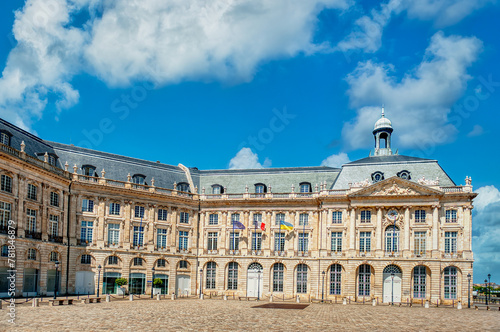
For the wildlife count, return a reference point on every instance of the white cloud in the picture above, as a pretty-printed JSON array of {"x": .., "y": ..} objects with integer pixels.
[
  {"x": 159, "y": 41},
  {"x": 336, "y": 160},
  {"x": 418, "y": 105},
  {"x": 486, "y": 195},
  {"x": 476, "y": 131},
  {"x": 246, "y": 159}
]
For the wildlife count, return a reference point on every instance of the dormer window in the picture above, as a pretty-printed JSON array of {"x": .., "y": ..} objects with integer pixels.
[
  {"x": 377, "y": 176},
  {"x": 305, "y": 187},
  {"x": 260, "y": 188},
  {"x": 404, "y": 175},
  {"x": 5, "y": 138},
  {"x": 217, "y": 189},
  {"x": 183, "y": 186},
  {"x": 88, "y": 170},
  {"x": 52, "y": 159},
  {"x": 139, "y": 179}
]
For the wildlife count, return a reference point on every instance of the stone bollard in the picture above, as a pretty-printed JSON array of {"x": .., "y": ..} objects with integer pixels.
[
  {"x": 35, "y": 302},
  {"x": 108, "y": 298},
  {"x": 173, "y": 296},
  {"x": 202, "y": 296},
  {"x": 271, "y": 298},
  {"x": 427, "y": 304},
  {"x": 298, "y": 299},
  {"x": 131, "y": 298},
  {"x": 459, "y": 305},
  {"x": 374, "y": 302},
  {"x": 225, "y": 297},
  {"x": 344, "y": 301},
  {"x": 157, "y": 297}
]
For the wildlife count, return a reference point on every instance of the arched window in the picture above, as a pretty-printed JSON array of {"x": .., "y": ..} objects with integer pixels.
[
  {"x": 335, "y": 279},
  {"x": 450, "y": 282},
  {"x": 260, "y": 188},
  {"x": 217, "y": 189},
  {"x": 54, "y": 256},
  {"x": 364, "y": 274},
  {"x": 390, "y": 269},
  {"x": 404, "y": 175},
  {"x": 113, "y": 260},
  {"x": 419, "y": 276},
  {"x": 232, "y": 276},
  {"x": 88, "y": 170},
  {"x": 278, "y": 271},
  {"x": 139, "y": 179},
  {"x": 161, "y": 263},
  {"x": 183, "y": 265},
  {"x": 302, "y": 278},
  {"x": 138, "y": 261},
  {"x": 86, "y": 259},
  {"x": 32, "y": 254},
  {"x": 211, "y": 275},
  {"x": 377, "y": 176},
  {"x": 183, "y": 186},
  {"x": 392, "y": 239},
  {"x": 305, "y": 187}
]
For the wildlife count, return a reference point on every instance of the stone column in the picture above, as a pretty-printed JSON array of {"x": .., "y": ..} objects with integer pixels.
[
  {"x": 435, "y": 228},
  {"x": 352, "y": 230},
  {"x": 101, "y": 209},
  {"x": 151, "y": 221},
  {"x": 173, "y": 233},
  {"x": 223, "y": 235},
  {"x": 406, "y": 246},
  {"x": 378, "y": 230},
  {"x": 466, "y": 221},
  {"x": 126, "y": 225}
]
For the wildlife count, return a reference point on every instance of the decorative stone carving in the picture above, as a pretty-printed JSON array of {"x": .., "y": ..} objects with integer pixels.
[
  {"x": 129, "y": 178},
  {"x": 66, "y": 166},
  {"x": 23, "y": 146},
  {"x": 365, "y": 183},
  {"x": 468, "y": 181},
  {"x": 103, "y": 173},
  {"x": 395, "y": 190},
  {"x": 425, "y": 182},
  {"x": 46, "y": 157},
  {"x": 75, "y": 168}
]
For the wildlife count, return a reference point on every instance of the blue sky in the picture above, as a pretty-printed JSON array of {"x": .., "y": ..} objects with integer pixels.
[{"x": 268, "y": 83}]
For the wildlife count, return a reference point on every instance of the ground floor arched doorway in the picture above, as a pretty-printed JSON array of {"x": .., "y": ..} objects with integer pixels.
[
  {"x": 254, "y": 280},
  {"x": 183, "y": 285},
  {"x": 392, "y": 284}
]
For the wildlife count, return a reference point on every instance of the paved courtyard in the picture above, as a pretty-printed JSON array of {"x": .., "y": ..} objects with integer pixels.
[{"x": 218, "y": 315}]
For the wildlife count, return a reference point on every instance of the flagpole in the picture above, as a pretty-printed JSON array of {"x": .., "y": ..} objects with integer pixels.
[
  {"x": 234, "y": 236},
  {"x": 303, "y": 235},
  {"x": 139, "y": 235}
]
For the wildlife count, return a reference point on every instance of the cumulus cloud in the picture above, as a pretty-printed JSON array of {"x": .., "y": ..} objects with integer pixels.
[
  {"x": 246, "y": 159},
  {"x": 336, "y": 160},
  {"x": 419, "y": 103},
  {"x": 158, "y": 41},
  {"x": 486, "y": 232}
]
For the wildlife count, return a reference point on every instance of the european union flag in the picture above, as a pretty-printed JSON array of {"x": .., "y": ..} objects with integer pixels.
[{"x": 238, "y": 225}]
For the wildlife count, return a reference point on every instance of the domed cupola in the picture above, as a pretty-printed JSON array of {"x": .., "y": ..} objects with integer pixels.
[{"x": 382, "y": 132}]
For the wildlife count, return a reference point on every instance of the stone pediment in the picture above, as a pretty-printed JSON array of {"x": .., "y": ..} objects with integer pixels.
[{"x": 395, "y": 186}]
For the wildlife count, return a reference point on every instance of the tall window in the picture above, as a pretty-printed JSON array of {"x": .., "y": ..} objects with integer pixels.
[
  {"x": 139, "y": 211},
  {"x": 366, "y": 216},
  {"x": 52, "y": 160},
  {"x": 419, "y": 282},
  {"x": 212, "y": 240},
  {"x": 234, "y": 241},
  {"x": 335, "y": 279},
  {"x": 87, "y": 205},
  {"x": 450, "y": 242},
  {"x": 451, "y": 215},
  {"x": 183, "y": 265},
  {"x": 302, "y": 278},
  {"x": 162, "y": 214},
  {"x": 4, "y": 138},
  {"x": 113, "y": 260},
  {"x": 450, "y": 282},
  {"x": 211, "y": 275},
  {"x": 86, "y": 259},
  {"x": 32, "y": 254},
  {"x": 138, "y": 261},
  {"x": 86, "y": 231},
  {"x": 392, "y": 239},
  {"x": 161, "y": 238},
  {"x": 138, "y": 240},
  {"x": 365, "y": 241},
  {"x": 279, "y": 241},
  {"x": 113, "y": 234},
  {"x": 278, "y": 271},
  {"x": 305, "y": 187},
  {"x": 279, "y": 218},
  {"x": 303, "y": 242},
  {"x": 364, "y": 280},
  {"x": 183, "y": 240},
  {"x": 32, "y": 191},
  {"x": 419, "y": 215},
  {"x": 184, "y": 218},
  {"x": 54, "y": 198},
  {"x": 6, "y": 183},
  {"x": 304, "y": 219},
  {"x": 5, "y": 213},
  {"x": 114, "y": 209},
  {"x": 232, "y": 274},
  {"x": 420, "y": 243},
  {"x": 5, "y": 250},
  {"x": 213, "y": 219},
  {"x": 88, "y": 170},
  {"x": 216, "y": 190},
  {"x": 31, "y": 220},
  {"x": 161, "y": 262},
  {"x": 260, "y": 188},
  {"x": 337, "y": 217},
  {"x": 256, "y": 241},
  {"x": 54, "y": 256},
  {"x": 337, "y": 241},
  {"x": 257, "y": 219},
  {"x": 235, "y": 217},
  {"x": 53, "y": 225}
]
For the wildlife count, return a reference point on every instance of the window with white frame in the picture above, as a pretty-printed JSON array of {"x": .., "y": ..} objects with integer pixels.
[
  {"x": 450, "y": 282},
  {"x": 138, "y": 240},
  {"x": 419, "y": 215},
  {"x": 161, "y": 263},
  {"x": 336, "y": 217},
  {"x": 392, "y": 239},
  {"x": 235, "y": 217},
  {"x": 52, "y": 160},
  {"x": 212, "y": 240},
  {"x": 86, "y": 259},
  {"x": 139, "y": 211},
  {"x": 335, "y": 279},
  {"x": 450, "y": 242},
  {"x": 366, "y": 216},
  {"x": 260, "y": 188},
  {"x": 279, "y": 218},
  {"x": 364, "y": 274},
  {"x": 32, "y": 254},
  {"x": 54, "y": 256},
  {"x": 88, "y": 170},
  {"x": 337, "y": 241},
  {"x": 184, "y": 218},
  {"x": 305, "y": 187},
  {"x": 113, "y": 260},
  {"x": 31, "y": 214},
  {"x": 86, "y": 231},
  {"x": 53, "y": 225},
  {"x": 162, "y": 214},
  {"x": 4, "y": 138},
  {"x": 6, "y": 183},
  {"x": 54, "y": 198},
  {"x": 234, "y": 241},
  {"x": 139, "y": 179},
  {"x": 213, "y": 219},
  {"x": 232, "y": 276},
  {"x": 211, "y": 275},
  {"x": 161, "y": 238},
  {"x": 32, "y": 191},
  {"x": 451, "y": 215},
  {"x": 183, "y": 240},
  {"x": 87, "y": 205},
  {"x": 256, "y": 241},
  {"x": 257, "y": 219},
  {"x": 303, "y": 219},
  {"x": 114, "y": 209},
  {"x": 5, "y": 213},
  {"x": 183, "y": 265},
  {"x": 365, "y": 241},
  {"x": 419, "y": 244},
  {"x": 184, "y": 187},
  {"x": 419, "y": 276},
  {"x": 216, "y": 190},
  {"x": 278, "y": 273},
  {"x": 279, "y": 241},
  {"x": 303, "y": 242},
  {"x": 302, "y": 278},
  {"x": 138, "y": 261},
  {"x": 113, "y": 234}
]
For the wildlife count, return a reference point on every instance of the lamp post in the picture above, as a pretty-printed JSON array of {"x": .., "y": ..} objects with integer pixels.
[
  {"x": 98, "y": 278},
  {"x": 201, "y": 281},
  {"x": 152, "y": 281},
  {"x": 56, "y": 281},
  {"x": 323, "y": 287},
  {"x": 468, "y": 291},
  {"x": 392, "y": 288},
  {"x": 489, "y": 284},
  {"x": 486, "y": 292}
]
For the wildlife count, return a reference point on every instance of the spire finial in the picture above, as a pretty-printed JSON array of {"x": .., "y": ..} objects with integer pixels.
[{"x": 383, "y": 111}]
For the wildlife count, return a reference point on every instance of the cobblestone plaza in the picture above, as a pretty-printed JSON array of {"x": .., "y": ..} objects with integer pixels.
[{"x": 211, "y": 315}]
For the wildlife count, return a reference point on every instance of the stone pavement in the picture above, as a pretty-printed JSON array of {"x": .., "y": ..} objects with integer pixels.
[{"x": 218, "y": 315}]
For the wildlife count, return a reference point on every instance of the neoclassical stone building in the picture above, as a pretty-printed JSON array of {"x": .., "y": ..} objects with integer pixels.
[{"x": 388, "y": 226}]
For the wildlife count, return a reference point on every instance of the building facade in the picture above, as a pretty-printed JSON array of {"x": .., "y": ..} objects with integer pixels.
[{"x": 388, "y": 226}]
